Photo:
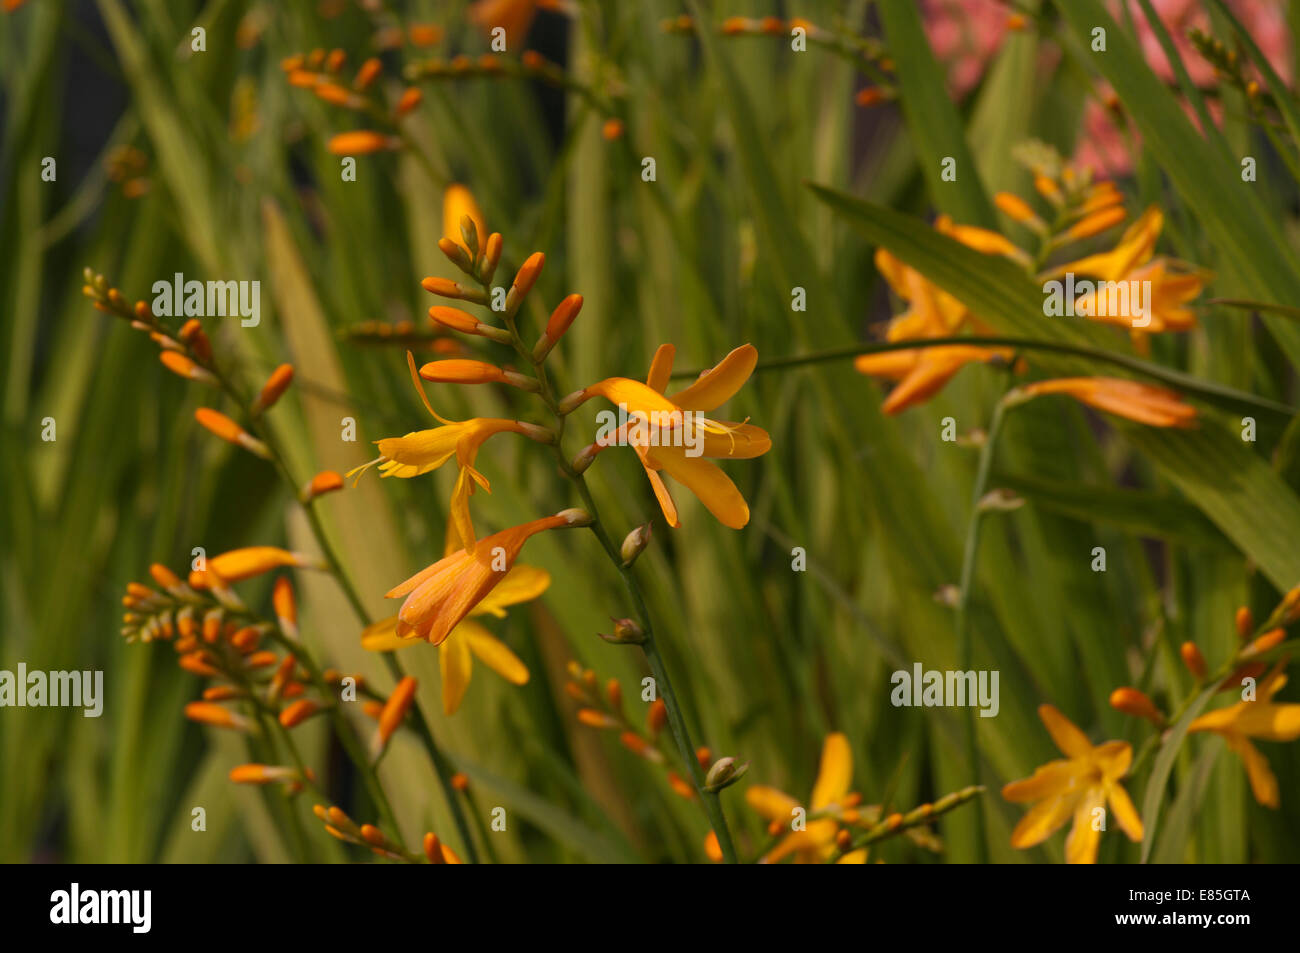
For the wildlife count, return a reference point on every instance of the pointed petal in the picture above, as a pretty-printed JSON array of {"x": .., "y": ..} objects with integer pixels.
[
  {"x": 713, "y": 487},
  {"x": 1081, "y": 845},
  {"x": 493, "y": 653},
  {"x": 771, "y": 804},
  {"x": 717, "y": 385},
  {"x": 1125, "y": 814},
  {"x": 661, "y": 368},
  {"x": 457, "y": 666},
  {"x": 1042, "y": 821},
  {"x": 835, "y": 775},
  {"x": 1072, "y": 742},
  {"x": 1050, "y": 780}
]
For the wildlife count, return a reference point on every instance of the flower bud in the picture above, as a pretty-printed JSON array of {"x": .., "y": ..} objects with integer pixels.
[
  {"x": 724, "y": 773},
  {"x": 1130, "y": 701},
  {"x": 633, "y": 544}
]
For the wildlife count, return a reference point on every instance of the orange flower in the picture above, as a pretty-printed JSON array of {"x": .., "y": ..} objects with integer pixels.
[
  {"x": 515, "y": 16},
  {"x": 423, "y": 451},
  {"x": 1079, "y": 786},
  {"x": 1154, "y": 406},
  {"x": 688, "y": 464},
  {"x": 440, "y": 596},
  {"x": 932, "y": 313},
  {"x": 814, "y": 840},
  {"x": 1262, "y": 719},
  {"x": 362, "y": 142}
]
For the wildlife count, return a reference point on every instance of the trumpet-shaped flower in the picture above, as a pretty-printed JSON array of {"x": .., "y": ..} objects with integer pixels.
[
  {"x": 1142, "y": 403},
  {"x": 471, "y": 638},
  {"x": 1078, "y": 786},
  {"x": 439, "y": 597},
  {"x": 1262, "y": 719}
]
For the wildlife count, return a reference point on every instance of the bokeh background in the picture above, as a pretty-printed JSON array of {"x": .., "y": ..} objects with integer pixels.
[{"x": 211, "y": 164}]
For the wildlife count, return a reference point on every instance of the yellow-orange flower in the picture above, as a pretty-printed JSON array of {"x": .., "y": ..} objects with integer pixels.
[
  {"x": 471, "y": 638},
  {"x": 1263, "y": 719},
  {"x": 438, "y": 597},
  {"x": 1078, "y": 786},
  {"x": 932, "y": 313},
  {"x": 716, "y": 440},
  {"x": 1143, "y": 403},
  {"x": 815, "y": 843},
  {"x": 423, "y": 451}
]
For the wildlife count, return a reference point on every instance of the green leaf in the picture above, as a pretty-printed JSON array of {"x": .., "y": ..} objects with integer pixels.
[
  {"x": 1141, "y": 512},
  {"x": 1153, "y": 797}
]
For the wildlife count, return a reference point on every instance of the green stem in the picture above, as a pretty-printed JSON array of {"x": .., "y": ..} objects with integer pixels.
[
  {"x": 676, "y": 721},
  {"x": 964, "y": 639},
  {"x": 1206, "y": 389}
]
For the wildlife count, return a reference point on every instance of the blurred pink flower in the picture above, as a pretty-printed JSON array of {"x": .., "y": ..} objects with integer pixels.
[
  {"x": 964, "y": 35},
  {"x": 1101, "y": 145}
]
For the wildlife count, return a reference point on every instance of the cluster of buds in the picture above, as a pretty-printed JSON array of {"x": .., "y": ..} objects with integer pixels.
[
  {"x": 340, "y": 826},
  {"x": 127, "y": 165},
  {"x": 320, "y": 72},
  {"x": 865, "y": 53},
  {"x": 186, "y": 353},
  {"x": 603, "y": 708},
  {"x": 1229, "y": 67},
  {"x": 1245, "y": 663},
  {"x": 401, "y": 334}
]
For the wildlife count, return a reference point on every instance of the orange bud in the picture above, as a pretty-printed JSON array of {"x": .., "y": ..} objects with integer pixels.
[
  {"x": 249, "y": 561},
  {"x": 327, "y": 481},
  {"x": 395, "y": 709},
  {"x": 612, "y": 130},
  {"x": 335, "y": 61},
  {"x": 274, "y": 387},
  {"x": 1130, "y": 701},
  {"x": 1245, "y": 622},
  {"x": 563, "y": 316},
  {"x": 1048, "y": 189},
  {"x": 704, "y": 756},
  {"x": 1096, "y": 223},
  {"x": 231, "y": 432},
  {"x": 221, "y": 693},
  {"x": 712, "y": 849},
  {"x": 304, "y": 79},
  {"x": 373, "y": 835},
  {"x": 424, "y": 34},
  {"x": 165, "y": 577},
  {"x": 596, "y": 719},
  {"x": 362, "y": 142},
  {"x": 680, "y": 786},
  {"x": 454, "y": 318},
  {"x": 182, "y": 366},
  {"x": 656, "y": 717},
  {"x": 196, "y": 664},
  {"x": 370, "y": 69},
  {"x": 260, "y": 659},
  {"x": 631, "y": 741},
  {"x": 1193, "y": 659},
  {"x": 462, "y": 372},
  {"x": 1015, "y": 207},
  {"x": 338, "y": 95},
  {"x": 411, "y": 97},
  {"x": 433, "y": 849},
  {"x": 614, "y": 692},
  {"x": 286, "y": 606},
  {"x": 262, "y": 774},
  {"x": 212, "y": 620},
  {"x": 299, "y": 711},
  {"x": 870, "y": 96},
  {"x": 460, "y": 782},
  {"x": 526, "y": 277},
  {"x": 207, "y": 713},
  {"x": 246, "y": 639}
]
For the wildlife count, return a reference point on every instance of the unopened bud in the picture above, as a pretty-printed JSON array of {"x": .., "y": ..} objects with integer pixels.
[
  {"x": 724, "y": 773},
  {"x": 634, "y": 542}
]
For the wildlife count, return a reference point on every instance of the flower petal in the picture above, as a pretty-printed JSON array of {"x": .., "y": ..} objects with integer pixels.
[
  {"x": 713, "y": 487},
  {"x": 457, "y": 666},
  {"x": 1072, "y": 742},
  {"x": 717, "y": 385},
  {"x": 836, "y": 772},
  {"x": 492, "y": 652}
]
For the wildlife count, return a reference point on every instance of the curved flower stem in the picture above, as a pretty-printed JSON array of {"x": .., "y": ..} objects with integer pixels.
[
  {"x": 964, "y": 642},
  {"x": 681, "y": 734}
]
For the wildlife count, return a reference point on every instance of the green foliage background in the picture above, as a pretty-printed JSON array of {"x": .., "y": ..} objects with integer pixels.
[{"x": 767, "y": 660}]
